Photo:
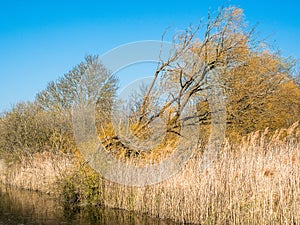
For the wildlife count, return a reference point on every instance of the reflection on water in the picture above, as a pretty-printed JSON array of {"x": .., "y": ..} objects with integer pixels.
[{"x": 24, "y": 207}]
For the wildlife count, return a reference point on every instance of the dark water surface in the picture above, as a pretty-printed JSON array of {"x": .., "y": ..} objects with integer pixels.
[{"x": 23, "y": 207}]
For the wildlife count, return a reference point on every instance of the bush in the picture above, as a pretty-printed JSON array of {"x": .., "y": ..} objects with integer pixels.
[
  {"x": 28, "y": 129},
  {"x": 81, "y": 188}
]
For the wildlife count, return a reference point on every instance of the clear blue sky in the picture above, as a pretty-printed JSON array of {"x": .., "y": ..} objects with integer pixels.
[{"x": 42, "y": 40}]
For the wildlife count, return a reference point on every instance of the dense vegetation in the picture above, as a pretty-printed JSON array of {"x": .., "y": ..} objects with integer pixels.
[
  {"x": 259, "y": 86},
  {"x": 261, "y": 92}
]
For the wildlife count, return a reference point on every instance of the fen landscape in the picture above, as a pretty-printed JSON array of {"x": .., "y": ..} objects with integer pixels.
[{"x": 212, "y": 137}]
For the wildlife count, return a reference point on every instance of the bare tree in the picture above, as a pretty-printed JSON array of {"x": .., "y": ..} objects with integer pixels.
[{"x": 89, "y": 79}]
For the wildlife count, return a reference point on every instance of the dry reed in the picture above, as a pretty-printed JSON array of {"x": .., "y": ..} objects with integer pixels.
[
  {"x": 39, "y": 172},
  {"x": 254, "y": 182}
]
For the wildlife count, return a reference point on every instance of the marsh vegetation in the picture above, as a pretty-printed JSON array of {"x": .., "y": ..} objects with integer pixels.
[{"x": 254, "y": 177}]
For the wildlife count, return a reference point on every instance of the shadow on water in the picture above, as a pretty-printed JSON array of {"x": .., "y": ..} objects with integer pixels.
[{"x": 19, "y": 207}]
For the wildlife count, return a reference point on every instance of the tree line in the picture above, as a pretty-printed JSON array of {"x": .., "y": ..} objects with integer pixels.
[{"x": 259, "y": 86}]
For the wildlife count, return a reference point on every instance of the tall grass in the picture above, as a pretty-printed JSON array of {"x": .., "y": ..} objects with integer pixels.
[
  {"x": 39, "y": 172},
  {"x": 254, "y": 182}
]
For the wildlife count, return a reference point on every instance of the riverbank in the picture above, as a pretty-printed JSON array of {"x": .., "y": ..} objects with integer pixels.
[
  {"x": 28, "y": 207},
  {"x": 254, "y": 182}
]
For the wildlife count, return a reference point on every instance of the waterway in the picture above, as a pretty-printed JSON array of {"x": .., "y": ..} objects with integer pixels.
[{"x": 20, "y": 207}]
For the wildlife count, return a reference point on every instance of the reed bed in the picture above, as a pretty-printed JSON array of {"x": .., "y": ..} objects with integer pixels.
[
  {"x": 39, "y": 172},
  {"x": 254, "y": 182}
]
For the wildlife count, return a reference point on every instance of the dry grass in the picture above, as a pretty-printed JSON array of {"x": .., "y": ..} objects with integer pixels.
[
  {"x": 254, "y": 182},
  {"x": 39, "y": 172},
  {"x": 2, "y": 169}
]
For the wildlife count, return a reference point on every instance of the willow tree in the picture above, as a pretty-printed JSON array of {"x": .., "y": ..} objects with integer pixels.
[
  {"x": 187, "y": 71},
  {"x": 187, "y": 76},
  {"x": 260, "y": 89},
  {"x": 261, "y": 93},
  {"x": 256, "y": 82}
]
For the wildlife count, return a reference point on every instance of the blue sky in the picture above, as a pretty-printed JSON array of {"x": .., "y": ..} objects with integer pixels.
[{"x": 42, "y": 40}]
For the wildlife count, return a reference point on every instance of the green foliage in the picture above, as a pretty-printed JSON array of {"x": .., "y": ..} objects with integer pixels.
[{"x": 83, "y": 187}]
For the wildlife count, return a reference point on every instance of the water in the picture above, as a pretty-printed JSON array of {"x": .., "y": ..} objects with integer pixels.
[{"x": 18, "y": 207}]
